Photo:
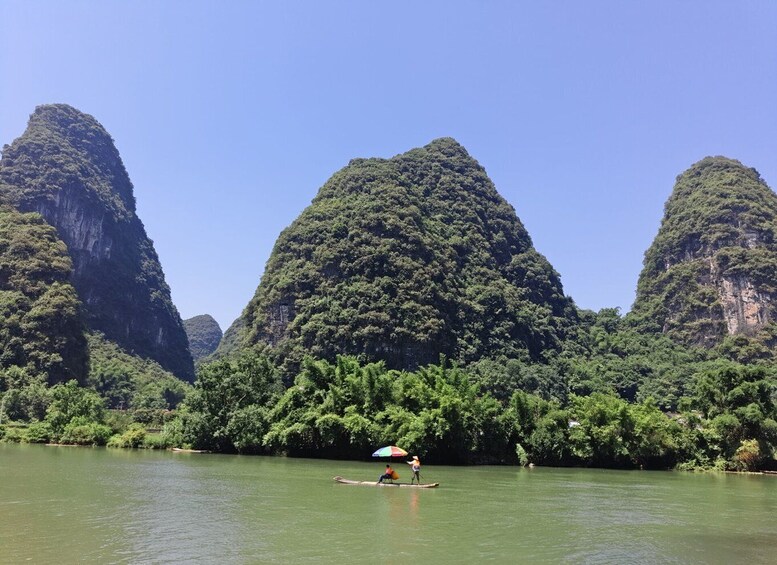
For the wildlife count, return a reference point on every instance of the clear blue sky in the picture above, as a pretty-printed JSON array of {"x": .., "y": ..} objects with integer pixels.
[{"x": 230, "y": 115}]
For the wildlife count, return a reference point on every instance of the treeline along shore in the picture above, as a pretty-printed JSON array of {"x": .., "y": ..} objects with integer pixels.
[{"x": 344, "y": 409}]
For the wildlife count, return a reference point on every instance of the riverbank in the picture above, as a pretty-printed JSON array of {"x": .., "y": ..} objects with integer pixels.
[{"x": 156, "y": 444}]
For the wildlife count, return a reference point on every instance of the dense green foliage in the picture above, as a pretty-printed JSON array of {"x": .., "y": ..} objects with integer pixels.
[
  {"x": 402, "y": 260},
  {"x": 719, "y": 228},
  {"x": 138, "y": 388},
  {"x": 130, "y": 382},
  {"x": 604, "y": 353},
  {"x": 229, "y": 408},
  {"x": 72, "y": 414},
  {"x": 608, "y": 354},
  {"x": 66, "y": 167},
  {"x": 41, "y": 330},
  {"x": 63, "y": 149},
  {"x": 69, "y": 413},
  {"x": 736, "y": 404},
  {"x": 346, "y": 409},
  {"x": 204, "y": 335}
]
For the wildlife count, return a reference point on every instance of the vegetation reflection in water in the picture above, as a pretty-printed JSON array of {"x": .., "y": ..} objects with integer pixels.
[{"x": 98, "y": 505}]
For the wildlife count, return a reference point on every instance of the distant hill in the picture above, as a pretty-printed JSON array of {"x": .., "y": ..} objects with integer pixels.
[
  {"x": 204, "y": 335},
  {"x": 66, "y": 168},
  {"x": 402, "y": 260},
  {"x": 711, "y": 271}
]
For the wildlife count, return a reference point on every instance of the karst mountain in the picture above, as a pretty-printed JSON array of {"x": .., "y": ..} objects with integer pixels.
[
  {"x": 404, "y": 260},
  {"x": 400, "y": 260},
  {"x": 711, "y": 271},
  {"x": 66, "y": 168},
  {"x": 204, "y": 335}
]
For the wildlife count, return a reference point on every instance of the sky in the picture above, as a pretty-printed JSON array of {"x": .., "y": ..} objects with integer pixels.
[{"x": 229, "y": 116}]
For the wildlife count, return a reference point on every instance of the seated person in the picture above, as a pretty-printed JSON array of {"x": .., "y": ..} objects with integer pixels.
[{"x": 390, "y": 474}]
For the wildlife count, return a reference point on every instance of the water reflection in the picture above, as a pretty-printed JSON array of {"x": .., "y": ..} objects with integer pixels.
[{"x": 402, "y": 505}]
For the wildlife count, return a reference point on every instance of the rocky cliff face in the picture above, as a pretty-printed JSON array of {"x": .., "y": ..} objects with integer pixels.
[
  {"x": 745, "y": 308},
  {"x": 66, "y": 167},
  {"x": 712, "y": 269},
  {"x": 402, "y": 260}
]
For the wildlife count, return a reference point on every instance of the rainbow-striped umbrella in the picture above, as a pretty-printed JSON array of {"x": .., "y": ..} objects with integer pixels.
[{"x": 390, "y": 451}]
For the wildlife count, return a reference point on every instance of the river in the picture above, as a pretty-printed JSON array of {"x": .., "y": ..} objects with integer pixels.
[{"x": 97, "y": 505}]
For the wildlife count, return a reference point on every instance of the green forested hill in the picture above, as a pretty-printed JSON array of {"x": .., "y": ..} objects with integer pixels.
[
  {"x": 66, "y": 167},
  {"x": 204, "y": 335},
  {"x": 711, "y": 271},
  {"x": 405, "y": 259},
  {"x": 41, "y": 330}
]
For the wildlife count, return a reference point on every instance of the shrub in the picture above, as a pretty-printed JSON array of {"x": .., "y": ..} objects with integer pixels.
[
  {"x": 26, "y": 403},
  {"x": 132, "y": 438},
  {"x": 39, "y": 432},
  {"x": 173, "y": 434},
  {"x": 118, "y": 420},
  {"x": 70, "y": 402},
  {"x": 747, "y": 456},
  {"x": 154, "y": 441},
  {"x": 80, "y": 431},
  {"x": 153, "y": 417},
  {"x": 13, "y": 434}
]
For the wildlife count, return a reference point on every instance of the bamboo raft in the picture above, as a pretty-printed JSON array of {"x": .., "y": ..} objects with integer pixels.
[{"x": 375, "y": 484}]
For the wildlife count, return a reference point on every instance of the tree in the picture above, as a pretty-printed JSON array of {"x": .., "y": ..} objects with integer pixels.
[
  {"x": 229, "y": 407},
  {"x": 71, "y": 402},
  {"x": 738, "y": 404}
]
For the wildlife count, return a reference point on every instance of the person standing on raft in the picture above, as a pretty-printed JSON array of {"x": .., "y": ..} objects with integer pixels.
[{"x": 415, "y": 465}]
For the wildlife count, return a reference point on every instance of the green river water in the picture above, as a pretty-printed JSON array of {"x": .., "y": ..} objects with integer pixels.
[{"x": 68, "y": 505}]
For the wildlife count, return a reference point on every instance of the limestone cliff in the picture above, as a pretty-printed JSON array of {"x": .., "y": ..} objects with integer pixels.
[
  {"x": 712, "y": 269},
  {"x": 65, "y": 167}
]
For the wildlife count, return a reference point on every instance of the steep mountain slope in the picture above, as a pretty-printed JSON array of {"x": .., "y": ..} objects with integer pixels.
[
  {"x": 40, "y": 325},
  {"x": 711, "y": 271},
  {"x": 402, "y": 260},
  {"x": 66, "y": 167},
  {"x": 204, "y": 335}
]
